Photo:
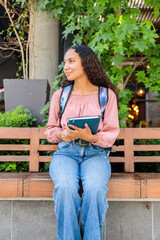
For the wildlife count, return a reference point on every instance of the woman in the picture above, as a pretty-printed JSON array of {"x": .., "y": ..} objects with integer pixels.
[{"x": 72, "y": 161}]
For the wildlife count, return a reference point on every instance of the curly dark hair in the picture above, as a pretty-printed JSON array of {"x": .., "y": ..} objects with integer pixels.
[{"x": 92, "y": 67}]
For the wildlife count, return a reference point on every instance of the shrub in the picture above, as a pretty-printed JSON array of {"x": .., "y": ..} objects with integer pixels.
[{"x": 19, "y": 117}]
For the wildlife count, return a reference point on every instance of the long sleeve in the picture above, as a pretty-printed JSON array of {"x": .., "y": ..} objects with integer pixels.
[
  {"x": 110, "y": 130},
  {"x": 53, "y": 124}
]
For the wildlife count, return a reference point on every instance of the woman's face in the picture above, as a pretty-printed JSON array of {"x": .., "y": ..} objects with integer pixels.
[{"x": 72, "y": 65}]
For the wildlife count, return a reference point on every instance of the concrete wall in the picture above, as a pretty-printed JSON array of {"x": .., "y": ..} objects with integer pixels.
[
  {"x": 32, "y": 94},
  {"x": 44, "y": 47},
  {"x": 153, "y": 109},
  {"x": 35, "y": 219}
]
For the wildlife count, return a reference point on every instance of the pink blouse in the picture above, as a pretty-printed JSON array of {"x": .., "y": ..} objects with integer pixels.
[{"x": 85, "y": 105}]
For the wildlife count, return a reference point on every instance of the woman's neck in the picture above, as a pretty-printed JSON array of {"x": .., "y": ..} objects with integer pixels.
[{"x": 84, "y": 87}]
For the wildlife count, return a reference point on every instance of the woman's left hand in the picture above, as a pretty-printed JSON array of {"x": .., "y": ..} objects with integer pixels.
[{"x": 83, "y": 133}]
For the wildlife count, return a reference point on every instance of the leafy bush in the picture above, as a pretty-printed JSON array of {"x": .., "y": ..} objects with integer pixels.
[{"x": 19, "y": 117}]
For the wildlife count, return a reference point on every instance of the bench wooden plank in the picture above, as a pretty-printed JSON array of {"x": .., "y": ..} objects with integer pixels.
[
  {"x": 124, "y": 185},
  {"x": 14, "y": 158},
  {"x": 117, "y": 159},
  {"x": 11, "y": 184},
  {"x": 45, "y": 158},
  {"x": 38, "y": 185},
  {"x": 34, "y": 152},
  {"x": 120, "y": 186},
  {"x": 14, "y": 147},
  {"x": 150, "y": 185},
  {"x": 129, "y": 153},
  {"x": 47, "y": 147},
  {"x": 146, "y": 133},
  {"x": 15, "y": 133},
  {"x": 147, "y": 159},
  {"x": 146, "y": 147}
]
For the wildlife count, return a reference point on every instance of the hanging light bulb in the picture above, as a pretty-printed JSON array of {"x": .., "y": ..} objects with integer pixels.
[
  {"x": 140, "y": 92},
  {"x": 148, "y": 66}
]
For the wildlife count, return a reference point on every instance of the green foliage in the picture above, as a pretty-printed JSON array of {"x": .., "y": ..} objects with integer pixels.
[
  {"x": 14, "y": 167},
  {"x": 19, "y": 117},
  {"x": 124, "y": 97},
  {"x": 150, "y": 77},
  {"x": 156, "y": 4},
  {"x": 44, "y": 112},
  {"x": 114, "y": 32}
]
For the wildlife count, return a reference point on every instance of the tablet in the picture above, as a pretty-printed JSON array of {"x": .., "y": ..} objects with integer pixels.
[{"x": 92, "y": 121}]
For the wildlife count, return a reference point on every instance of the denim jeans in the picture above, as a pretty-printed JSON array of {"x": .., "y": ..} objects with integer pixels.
[{"x": 80, "y": 217}]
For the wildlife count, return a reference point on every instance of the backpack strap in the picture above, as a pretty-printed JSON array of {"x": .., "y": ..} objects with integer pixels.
[
  {"x": 103, "y": 99},
  {"x": 65, "y": 94}
]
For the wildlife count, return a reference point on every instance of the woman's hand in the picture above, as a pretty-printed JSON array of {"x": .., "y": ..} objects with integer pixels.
[
  {"x": 64, "y": 135},
  {"x": 67, "y": 136},
  {"x": 83, "y": 133}
]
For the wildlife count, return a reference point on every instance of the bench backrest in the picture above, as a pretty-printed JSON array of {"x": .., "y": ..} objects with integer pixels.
[{"x": 131, "y": 140}]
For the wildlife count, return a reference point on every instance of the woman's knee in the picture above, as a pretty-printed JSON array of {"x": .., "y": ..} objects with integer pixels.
[
  {"x": 66, "y": 185},
  {"x": 95, "y": 186}
]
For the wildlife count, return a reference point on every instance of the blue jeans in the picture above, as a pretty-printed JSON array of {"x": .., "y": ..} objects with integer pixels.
[{"x": 70, "y": 163}]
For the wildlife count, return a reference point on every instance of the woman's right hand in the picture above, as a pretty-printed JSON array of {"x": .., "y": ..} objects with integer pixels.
[{"x": 65, "y": 136}]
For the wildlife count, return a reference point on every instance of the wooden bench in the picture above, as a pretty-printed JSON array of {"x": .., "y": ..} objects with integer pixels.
[{"x": 35, "y": 184}]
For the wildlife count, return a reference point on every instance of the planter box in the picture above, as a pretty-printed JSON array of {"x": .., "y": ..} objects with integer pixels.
[{"x": 33, "y": 94}]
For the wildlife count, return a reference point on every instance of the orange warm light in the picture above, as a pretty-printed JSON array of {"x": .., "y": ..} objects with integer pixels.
[
  {"x": 134, "y": 111},
  {"x": 130, "y": 116},
  {"x": 148, "y": 66},
  {"x": 140, "y": 92}
]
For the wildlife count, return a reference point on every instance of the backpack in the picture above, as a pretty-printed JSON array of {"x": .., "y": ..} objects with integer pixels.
[{"x": 66, "y": 92}]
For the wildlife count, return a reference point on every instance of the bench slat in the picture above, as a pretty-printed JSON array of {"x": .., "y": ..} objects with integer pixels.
[
  {"x": 145, "y": 133},
  {"x": 116, "y": 159},
  {"x": 11, "y": 184},
  {"x": 45, "y": 158},
  {"x": 47, "y": 147},
  {"x": 15, "y": 133},
  {"x": 13, "y": 158},
  {"x": 146, "y": 148},
  {"x": 15, "y": 147},
  {"x": 147, "y": 159}
]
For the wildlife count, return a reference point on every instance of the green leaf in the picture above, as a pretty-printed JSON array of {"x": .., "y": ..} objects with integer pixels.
[
  {"x": 139, "y": 45},
  {"x": 118, "y": 60},
  {"x": 57, "y": 12}
]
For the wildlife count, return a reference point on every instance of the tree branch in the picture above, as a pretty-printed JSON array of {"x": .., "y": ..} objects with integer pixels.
[
  {"x": 4, "y": 4},
  {"x": 7, "y": 56},
  {"x": 136, "y": 65},
  {"x": 9, "y": 48}
]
